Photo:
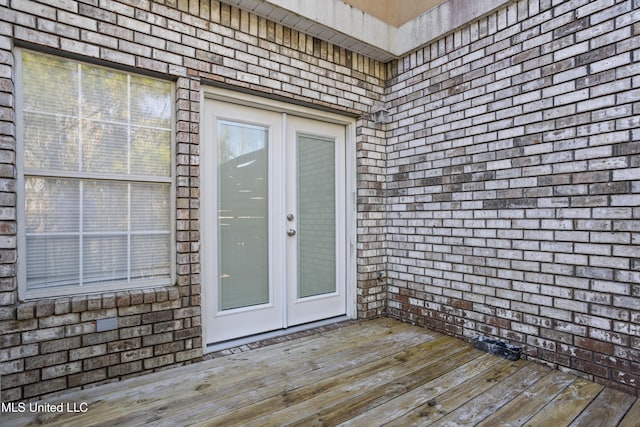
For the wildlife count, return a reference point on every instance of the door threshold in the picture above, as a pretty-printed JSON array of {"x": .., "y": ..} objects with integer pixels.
[{"x": 238, "y": 342}]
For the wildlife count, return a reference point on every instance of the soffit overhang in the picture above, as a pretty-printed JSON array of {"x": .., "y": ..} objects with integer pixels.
[{"x": 344, "y": 25}]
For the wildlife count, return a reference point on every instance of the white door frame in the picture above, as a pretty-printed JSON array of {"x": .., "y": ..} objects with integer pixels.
[{"x": 208, "y": 245}]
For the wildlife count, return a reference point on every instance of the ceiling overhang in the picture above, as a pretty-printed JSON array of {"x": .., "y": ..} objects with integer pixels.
[{"x": 344, "y": 25}]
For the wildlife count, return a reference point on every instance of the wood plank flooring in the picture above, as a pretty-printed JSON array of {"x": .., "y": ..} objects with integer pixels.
[{"x": 373, "y": 373}]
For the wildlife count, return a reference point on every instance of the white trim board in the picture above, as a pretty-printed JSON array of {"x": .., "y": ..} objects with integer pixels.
[{"x": 353, "y": 29}]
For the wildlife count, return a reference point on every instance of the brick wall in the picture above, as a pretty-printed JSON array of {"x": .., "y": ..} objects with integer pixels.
[
  {"x": 51, "y": 345},
  {"x": 501, "y": 200},
  {"x": 514, "y": 180}
]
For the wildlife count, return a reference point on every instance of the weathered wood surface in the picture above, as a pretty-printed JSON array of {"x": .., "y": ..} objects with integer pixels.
[{"x": 380, "y": 372}]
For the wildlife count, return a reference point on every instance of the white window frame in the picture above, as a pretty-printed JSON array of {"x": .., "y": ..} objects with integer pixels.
[{"x": 93, "y": 288}]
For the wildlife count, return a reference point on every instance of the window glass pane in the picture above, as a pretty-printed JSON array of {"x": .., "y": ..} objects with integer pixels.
[
  {"x": 104, "y": 148},
  {"x": 242, "y": 221},
  {"x": 50, "y": 84},
  {"x": 105, "y": 206},
  {"x": 149, "y": 256},
  {"x": 104, "y": 94},
  {"x": 151, "y": 103},
  {"x": 52, "y": 261},
  {"x": 105, "y": 258},
  {"x": 50, "y": 142},
  {"x": 52, "y": 205},
  {"x": 80, "y": 120},
  {"x": 316, "y": 216},
  {"x": 150, "y": 151},
  {"x": 150, "y": 207}
]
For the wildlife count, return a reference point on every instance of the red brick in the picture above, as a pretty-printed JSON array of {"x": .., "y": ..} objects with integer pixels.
[
  {"x": 157, "y": 339},
  {"x": 137, "y": 297},
  {"x": 78, "y": 304},
  {"x": 187, "y": 333},
  {"x": 589, "y": 367},
  {"x": 172, "y": 325},
  {"x": 62, "y": 306},
  {"x": 9, "y": 340},
  {"x": 57, "y": 371},
  {"x": 104, "y": 313},
  {"x": 59, "y": 345},
  {"x": 124, "y": 369},
  {"x": 18, "y": 352},
  {"x": 137, "y": 331},
  {"x": 626, "y": 378},
  {"x": 86, "y": 352},
  {"x": 137, "y": 354},
  {"x": 44, "y": 308},
  {"x": 20, "y": 378},
  {"x": 597, "y": 346},
  {"x": 612, "y": 362},
  {"x": 44, "y": 387},
  {"x": 134, "y": 309},
  {"x": 94, "y": 302},
  {"x": 108, "y": 300},
  {"x": 187, "y": 312},
  {"x": 123, "y": 299},
  {"x": 100, "y": 337},
  {"x": 58, "y": 320},
  {"x": 129, "y": 321},
  {"x": 100, "y": 362},
  {"x": 26, "y": 311},
  {"x": 87, "y": 377},
  {"x": 554, "y": 357},
  {"x": 12, "y": 367},
  {"x": 159, "y": 361},
  {"x": 188, "y": 355},
  {"x": 614, "y": 384},
  {"x": 170, "y": 347},
  {"x": 46, "y": 360},
  {"x": 157, "y": 316},
  {"x": 123, "y": 345}
]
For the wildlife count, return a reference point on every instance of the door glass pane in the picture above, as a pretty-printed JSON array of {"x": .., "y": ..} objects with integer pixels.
[
  {"x": 316, "y": 215},
  {"x": 242, "y": 215}
]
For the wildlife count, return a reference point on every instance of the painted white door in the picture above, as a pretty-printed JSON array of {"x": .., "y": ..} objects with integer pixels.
[
  {"x": 273, "y": 218},
  {"x": 315, "y": 200}
]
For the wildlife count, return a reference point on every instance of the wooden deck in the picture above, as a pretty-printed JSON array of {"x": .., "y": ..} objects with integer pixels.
[{"x": 379, "y": 372}]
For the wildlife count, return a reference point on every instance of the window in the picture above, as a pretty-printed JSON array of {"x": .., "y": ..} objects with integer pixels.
[{"x": 95, "y": 176}]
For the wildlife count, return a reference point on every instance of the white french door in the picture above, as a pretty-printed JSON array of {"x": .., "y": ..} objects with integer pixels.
[
  {"x": 315, "y": 211},
  {"x": 273, "y": 189}
]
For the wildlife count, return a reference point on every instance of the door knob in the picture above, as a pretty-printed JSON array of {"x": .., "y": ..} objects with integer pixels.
[{"x": 291, "y": 232}]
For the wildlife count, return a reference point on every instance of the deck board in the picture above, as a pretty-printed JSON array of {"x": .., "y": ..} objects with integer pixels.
[
  {"x": 605, "y": 410},
  {"x": 632, "y": 416},
  {"x": 425, "y": 397},
  {"x": 529, "y": 402},
  {"x": 379, "y": 372}
]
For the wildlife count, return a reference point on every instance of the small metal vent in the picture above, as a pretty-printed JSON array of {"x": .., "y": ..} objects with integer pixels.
[{"x": 498, "y": 348}]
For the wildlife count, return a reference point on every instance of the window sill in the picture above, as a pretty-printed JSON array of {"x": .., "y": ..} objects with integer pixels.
[{"x": 90, "y": 302}]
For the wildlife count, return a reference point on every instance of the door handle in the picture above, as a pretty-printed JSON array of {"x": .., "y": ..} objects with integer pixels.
[{"x": 291, "y": 232}]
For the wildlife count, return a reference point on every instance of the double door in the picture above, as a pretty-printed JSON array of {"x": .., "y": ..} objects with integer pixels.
[{"x": 274, "y": 226}]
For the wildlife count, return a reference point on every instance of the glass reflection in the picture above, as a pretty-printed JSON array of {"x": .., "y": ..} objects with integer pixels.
[{"x": 242, "y": 215}]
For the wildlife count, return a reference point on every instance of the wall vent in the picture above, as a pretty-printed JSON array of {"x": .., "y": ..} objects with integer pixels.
[{"x": 498, "y": 348}]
